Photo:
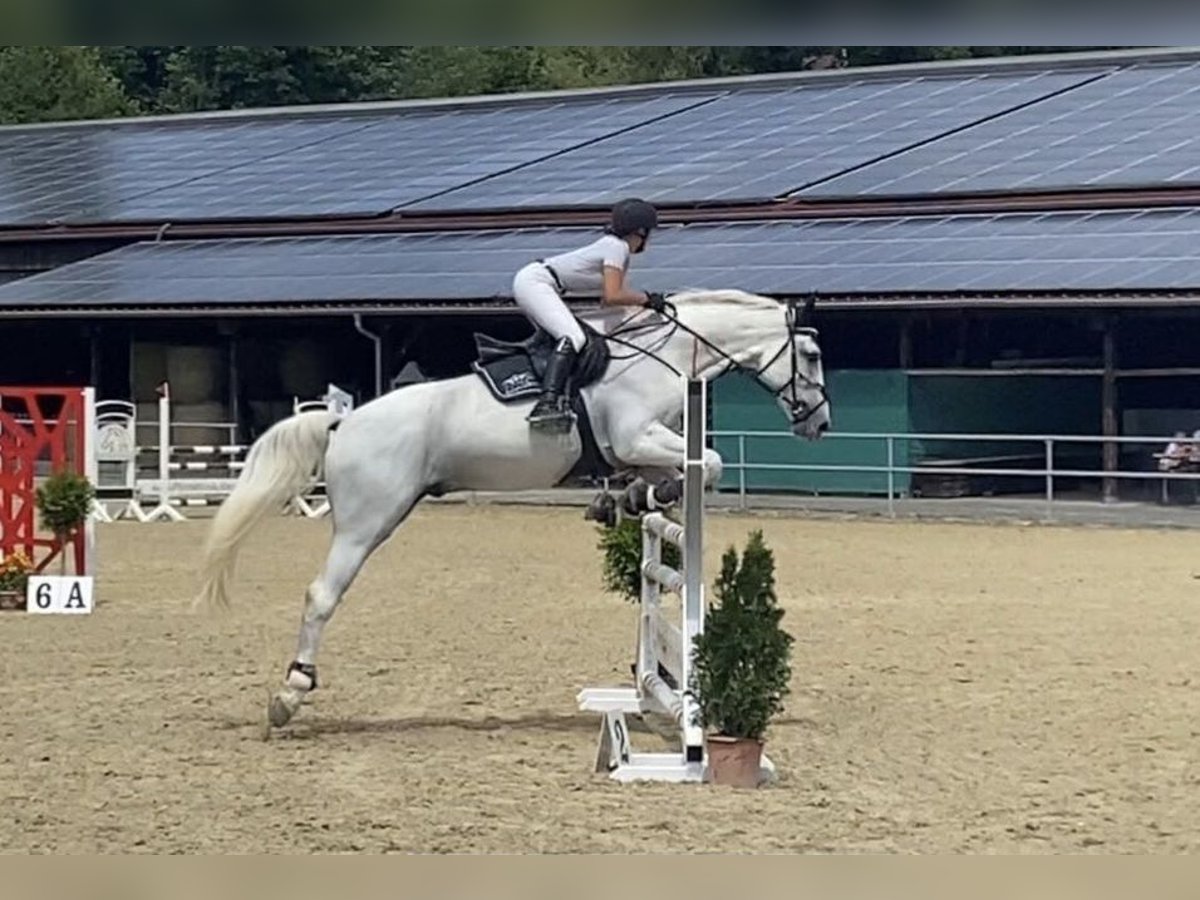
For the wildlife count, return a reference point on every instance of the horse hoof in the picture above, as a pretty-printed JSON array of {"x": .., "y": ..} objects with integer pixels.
[
  {"x": 603, "y": 509},
  {"x": 280, "y": 711},
  {"x": 634, "y": 498}
]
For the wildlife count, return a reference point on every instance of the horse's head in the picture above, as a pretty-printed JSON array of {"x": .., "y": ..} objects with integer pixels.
[
  {"x": 773, "y": 343},
  {"x": 796, "y": 376}
]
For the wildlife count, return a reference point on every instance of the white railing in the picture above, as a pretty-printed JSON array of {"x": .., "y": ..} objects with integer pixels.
[{"x": 889, "y": 443}]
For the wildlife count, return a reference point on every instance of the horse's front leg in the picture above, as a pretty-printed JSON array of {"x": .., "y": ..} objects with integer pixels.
[{"x": 658, "y": 454}]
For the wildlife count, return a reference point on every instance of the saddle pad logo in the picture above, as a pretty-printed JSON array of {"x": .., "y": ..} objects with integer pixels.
[{"x": 518, "y": 381}]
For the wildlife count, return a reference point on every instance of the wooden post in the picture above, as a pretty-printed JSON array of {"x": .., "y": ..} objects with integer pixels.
[
  {"x": 231, "y": 333},
  {"x": 960, "y": 348},
  {"x": 1109, "y": 403},
  {"x": 96, "y": 339},
  {"x": 906, "y": 344}
]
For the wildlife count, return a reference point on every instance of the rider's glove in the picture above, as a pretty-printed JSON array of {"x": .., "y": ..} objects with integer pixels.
[{"x": 655, "y": 301}]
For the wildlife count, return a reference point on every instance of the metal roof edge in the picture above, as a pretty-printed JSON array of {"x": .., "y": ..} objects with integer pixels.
[
  {"x": 952, "y": 301},
  {"x": 1073, "y": 200},
  {"x": 1046, "y": 61}
]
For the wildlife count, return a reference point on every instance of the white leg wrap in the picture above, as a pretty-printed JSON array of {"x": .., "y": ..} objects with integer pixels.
[{"x": 298, "y": 681}]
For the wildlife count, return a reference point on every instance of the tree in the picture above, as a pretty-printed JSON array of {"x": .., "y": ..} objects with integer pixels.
[
  {"x": 229, "y": 77},
  {"x": 46, "y": 84}
]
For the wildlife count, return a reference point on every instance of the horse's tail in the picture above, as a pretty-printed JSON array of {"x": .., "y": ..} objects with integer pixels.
[{"x": 280, "y": 464}]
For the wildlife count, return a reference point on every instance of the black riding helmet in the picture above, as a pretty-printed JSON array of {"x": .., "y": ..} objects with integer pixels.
[{"x": 633, "y": 216}]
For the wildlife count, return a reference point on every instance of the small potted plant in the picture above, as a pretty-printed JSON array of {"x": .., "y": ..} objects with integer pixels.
[
  {"x": 64, "y": 501},
  {"x": 15, "y": 569},
  {"x": 741, "y": 665}
]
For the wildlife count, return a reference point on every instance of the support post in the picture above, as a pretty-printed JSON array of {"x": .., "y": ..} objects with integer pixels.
[
  {"x": 96, "y": 342},
  {"x": 233, "y": 342},
  {"x": 694, "y": 430},
  {"x": 1109, "y": 415},
  {"x": 91, "y": 469},
  {"x": 906, "y": 344},
  {"x": 164, "y": 509}
]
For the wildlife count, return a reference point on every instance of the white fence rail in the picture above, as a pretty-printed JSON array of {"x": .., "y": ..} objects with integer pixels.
[
  {"x": 1048, "y": 472},
  {"x": 173, "y": 474}
]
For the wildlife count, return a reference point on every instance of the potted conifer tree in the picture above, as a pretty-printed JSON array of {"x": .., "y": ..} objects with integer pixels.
[{"x": 741, "y": 665}]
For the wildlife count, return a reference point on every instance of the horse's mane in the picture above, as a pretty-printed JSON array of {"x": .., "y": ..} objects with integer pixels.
[{"x": 697, "y": 297}]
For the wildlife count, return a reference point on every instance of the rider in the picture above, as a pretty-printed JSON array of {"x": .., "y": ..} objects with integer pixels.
[{"x": 598, "y": 267}]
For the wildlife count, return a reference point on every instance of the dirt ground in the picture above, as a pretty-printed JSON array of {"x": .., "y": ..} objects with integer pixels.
[{"x": 956, "y": 688}]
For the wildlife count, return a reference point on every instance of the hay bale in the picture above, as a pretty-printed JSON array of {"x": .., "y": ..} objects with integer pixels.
[
  {"x": 197, "y": 374},
  {"x": 148, "y": 369}
]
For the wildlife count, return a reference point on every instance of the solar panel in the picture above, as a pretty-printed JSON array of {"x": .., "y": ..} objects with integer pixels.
[
  {"x": 398, "y": 159},
  {"x": 755, "y": 144},
  {"x": 87, "y": 172},
  {"x": 1148, "y": 249},
  {"x": 290, "y": 167},
  {"x": 1135, "y": 127}
]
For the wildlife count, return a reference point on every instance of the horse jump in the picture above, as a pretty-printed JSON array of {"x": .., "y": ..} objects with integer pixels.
[
  {"x": 180, "y": 475},
  {"x": 664, "y": 647},
  {"x": 432, "y": 438}
]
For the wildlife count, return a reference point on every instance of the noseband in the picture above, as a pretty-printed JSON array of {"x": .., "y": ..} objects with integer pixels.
[{"x": 799, "y": 412}]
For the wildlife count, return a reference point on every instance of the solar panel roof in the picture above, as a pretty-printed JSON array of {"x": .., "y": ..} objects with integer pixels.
[
  {"x": 82, "y": 173},
  {"x": 1137, "y": 126},
  {"x": 1111, "y": 123},
  {"x": 757, "y": 144},
  {"x": 1111, "y": 251},
  {"x": 307, "y": 166}
]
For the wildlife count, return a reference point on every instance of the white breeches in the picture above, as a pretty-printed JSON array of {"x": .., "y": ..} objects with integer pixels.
[{"x": 536, "y": 294}]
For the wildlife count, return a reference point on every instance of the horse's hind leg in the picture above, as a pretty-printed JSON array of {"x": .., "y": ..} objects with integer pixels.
[{"x": 355, "y": 538}]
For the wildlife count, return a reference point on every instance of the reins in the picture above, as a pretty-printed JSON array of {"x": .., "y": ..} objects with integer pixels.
[{"x": 799, "y": 411}]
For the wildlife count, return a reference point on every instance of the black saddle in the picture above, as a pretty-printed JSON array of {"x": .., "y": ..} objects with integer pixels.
[{"x": 513, "y": 370}]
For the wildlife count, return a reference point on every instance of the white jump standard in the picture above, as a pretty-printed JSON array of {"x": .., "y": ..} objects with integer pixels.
[{"x": 664, "y": 647}]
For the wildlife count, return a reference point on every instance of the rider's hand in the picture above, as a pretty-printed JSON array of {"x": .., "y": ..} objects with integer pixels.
[{"x": 655, "y": 301}]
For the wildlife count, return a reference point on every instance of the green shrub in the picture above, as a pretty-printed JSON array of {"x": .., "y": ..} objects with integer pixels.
[
  {"x": 741, "y": 662},
  {"x": 64, "y": 501},
  {"x": 622, "y": 548}
]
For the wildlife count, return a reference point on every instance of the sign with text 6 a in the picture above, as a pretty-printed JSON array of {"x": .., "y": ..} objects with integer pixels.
[{"x": 59, "y": 594}]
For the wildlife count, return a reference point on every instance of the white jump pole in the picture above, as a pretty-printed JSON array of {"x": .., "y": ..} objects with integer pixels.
[
  {"x": 662, "y": 646},
  {"x": 164, "y": 510},
  {"x": 91, "y": 468},
  {"x": 695, "y": 421}
]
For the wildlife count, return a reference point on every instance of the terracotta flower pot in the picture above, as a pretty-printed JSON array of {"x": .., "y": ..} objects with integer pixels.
[{"x": 734, "y": 762}]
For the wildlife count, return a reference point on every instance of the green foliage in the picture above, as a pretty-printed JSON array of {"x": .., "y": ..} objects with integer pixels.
[
  {"x": 61, "y": 83},
  {"x": 622, "y": 547},
  {"x": 64, "y": 501},
  {"x": 741, "y": 662},
  {"x": 50, "y": 84}
]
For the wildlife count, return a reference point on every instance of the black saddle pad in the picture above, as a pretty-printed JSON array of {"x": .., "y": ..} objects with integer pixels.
[
  {"x": 513, "y": 370},
  {"x": 512, "y": 377}
]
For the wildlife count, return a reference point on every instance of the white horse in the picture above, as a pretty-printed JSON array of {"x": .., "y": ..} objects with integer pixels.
[{"x": 427, "y": 439}]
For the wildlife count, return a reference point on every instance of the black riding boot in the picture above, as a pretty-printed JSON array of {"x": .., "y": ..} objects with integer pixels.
[{"x": 552, "y": 412}]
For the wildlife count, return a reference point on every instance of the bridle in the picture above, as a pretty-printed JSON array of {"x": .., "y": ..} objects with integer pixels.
[{"x": 799, "y": 412}]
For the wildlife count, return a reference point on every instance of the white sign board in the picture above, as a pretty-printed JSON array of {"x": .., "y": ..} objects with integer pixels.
[{"x": 59, "y": 595}]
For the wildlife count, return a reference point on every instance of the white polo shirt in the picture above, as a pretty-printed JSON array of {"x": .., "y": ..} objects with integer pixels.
[{"x": 582, "y": 271}]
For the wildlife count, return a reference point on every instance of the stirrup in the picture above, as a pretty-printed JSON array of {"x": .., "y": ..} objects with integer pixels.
[{"x": 557, "y": 418}]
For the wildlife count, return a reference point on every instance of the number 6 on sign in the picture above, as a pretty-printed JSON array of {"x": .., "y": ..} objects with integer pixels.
[{"x": 68, "y": 595}]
